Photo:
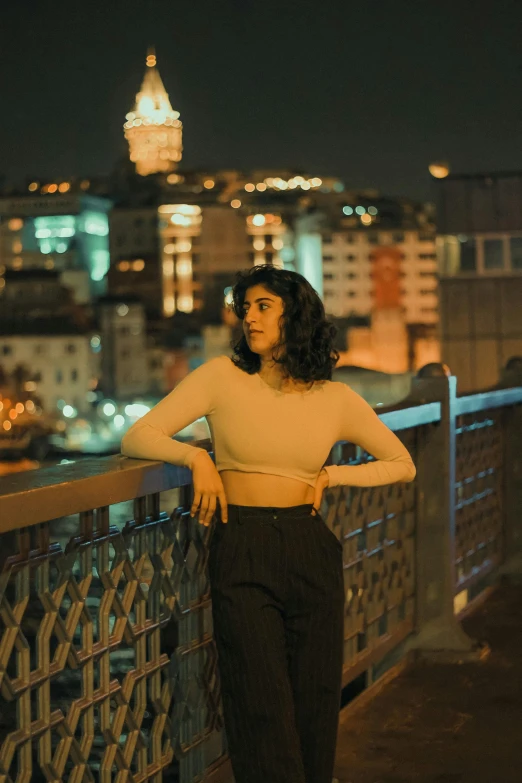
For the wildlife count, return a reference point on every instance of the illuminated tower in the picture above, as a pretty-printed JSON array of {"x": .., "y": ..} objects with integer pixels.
[{"x": 153, "y": 128}]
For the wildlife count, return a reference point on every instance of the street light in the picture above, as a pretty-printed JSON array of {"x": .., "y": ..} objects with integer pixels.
[{"x": 439, "y": 169}]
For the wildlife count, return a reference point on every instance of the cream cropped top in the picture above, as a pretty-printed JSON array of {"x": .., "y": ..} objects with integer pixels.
[{"x": 258, "y": 429}]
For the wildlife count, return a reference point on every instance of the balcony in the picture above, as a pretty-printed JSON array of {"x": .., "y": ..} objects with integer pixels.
[{"x": 107, "y": 662}]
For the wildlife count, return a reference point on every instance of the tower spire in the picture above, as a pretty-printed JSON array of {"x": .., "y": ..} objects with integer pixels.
[
  {"x": 153, "y": 129},
  {"x": 151, "y": 57}
]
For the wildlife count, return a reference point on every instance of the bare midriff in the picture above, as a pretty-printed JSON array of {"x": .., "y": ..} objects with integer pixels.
[{"x": 262, "y": 489}]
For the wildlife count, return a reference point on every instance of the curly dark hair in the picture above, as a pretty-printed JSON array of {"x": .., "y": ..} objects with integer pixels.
[{"x": 306, "y": 351}]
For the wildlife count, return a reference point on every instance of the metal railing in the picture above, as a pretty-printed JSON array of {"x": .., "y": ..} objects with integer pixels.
[{"x": 108, "y": 668}]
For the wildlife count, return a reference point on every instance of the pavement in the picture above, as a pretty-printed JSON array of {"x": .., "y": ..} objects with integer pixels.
[{"x": 445, "y": 723}]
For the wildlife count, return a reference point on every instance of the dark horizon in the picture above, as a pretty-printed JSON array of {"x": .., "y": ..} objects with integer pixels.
[{"x": 371, "y": 95}]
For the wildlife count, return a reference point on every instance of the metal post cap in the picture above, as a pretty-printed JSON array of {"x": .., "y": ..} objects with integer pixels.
[{"x": 434, "y": 370}]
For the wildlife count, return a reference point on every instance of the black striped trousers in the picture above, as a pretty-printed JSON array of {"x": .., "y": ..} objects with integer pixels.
[{"x": 277, "y": 587}]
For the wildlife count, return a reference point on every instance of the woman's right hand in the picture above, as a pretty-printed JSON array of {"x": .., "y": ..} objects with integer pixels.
[{"x": 208, "y": 487}]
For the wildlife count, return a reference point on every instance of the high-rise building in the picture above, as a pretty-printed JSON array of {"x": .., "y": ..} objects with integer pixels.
[{"x": 153, "y": 129}]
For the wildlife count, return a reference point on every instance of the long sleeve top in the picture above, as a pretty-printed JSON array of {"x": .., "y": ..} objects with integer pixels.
[{"x": 258, "y": 429}]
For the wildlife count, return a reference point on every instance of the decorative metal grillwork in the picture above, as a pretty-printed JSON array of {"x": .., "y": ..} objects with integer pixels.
[
  {"x": 377, "y": 528},
  {"x": 478, "y": 495},
  {"x": 107, "y": 663}
]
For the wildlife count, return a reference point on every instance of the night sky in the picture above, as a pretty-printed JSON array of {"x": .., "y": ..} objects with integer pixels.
[{"x": 371, "y": 92}]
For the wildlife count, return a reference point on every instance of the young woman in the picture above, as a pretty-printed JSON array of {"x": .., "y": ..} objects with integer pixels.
[{"x": 275, "y": 569}]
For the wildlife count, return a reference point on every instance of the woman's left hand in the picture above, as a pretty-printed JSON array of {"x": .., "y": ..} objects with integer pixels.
[{"x": 320, "y": 486}]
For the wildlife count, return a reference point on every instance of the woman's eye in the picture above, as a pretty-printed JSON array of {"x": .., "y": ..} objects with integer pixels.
[{"x": 246, "y": 309}]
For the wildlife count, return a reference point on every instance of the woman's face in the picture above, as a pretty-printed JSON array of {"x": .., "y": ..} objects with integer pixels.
[{"x": 262, "y": 310}]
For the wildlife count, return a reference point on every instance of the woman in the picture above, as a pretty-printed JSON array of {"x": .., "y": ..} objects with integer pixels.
[{"x": 275, "y": 569}]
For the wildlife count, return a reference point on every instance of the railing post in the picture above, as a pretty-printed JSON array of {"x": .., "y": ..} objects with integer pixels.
[{"x": 437, "y": 631}]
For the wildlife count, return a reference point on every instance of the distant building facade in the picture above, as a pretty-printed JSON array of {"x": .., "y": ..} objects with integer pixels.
[
  {"x": 479, "y": 247},
  {"x": 42, "y": 328},
  {"x": 124, "y": 360},
  {"x": 58, "y": 359},
  {"x": 61, "y": 230}
]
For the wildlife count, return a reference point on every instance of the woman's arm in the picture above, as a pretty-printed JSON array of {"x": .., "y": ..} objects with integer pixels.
[
  {"x": 194, "y": 397},
  {"x": 360, "y": 424}
]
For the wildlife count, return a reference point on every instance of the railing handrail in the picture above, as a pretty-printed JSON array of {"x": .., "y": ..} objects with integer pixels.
[
  {"x": 32, "y": 497},
  {"x": 36, "y": 496},
  {"x": 488, "y": 400},
  {"x": 412, "y": 416}
]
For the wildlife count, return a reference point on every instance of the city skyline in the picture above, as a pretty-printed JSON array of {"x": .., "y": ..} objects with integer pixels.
[{"x": 370, "y": 95}]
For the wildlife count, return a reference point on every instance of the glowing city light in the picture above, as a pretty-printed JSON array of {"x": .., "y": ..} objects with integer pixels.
[
  {"x": 259, "y": 220},
  {"x": 136, "y": 410},
  {"x": 180, "y": 220},
  {"x": 348, "y": 210}
]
